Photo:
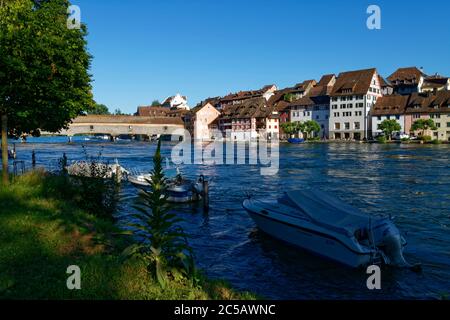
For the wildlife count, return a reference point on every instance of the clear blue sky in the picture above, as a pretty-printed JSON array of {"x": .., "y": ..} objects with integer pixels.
[{"x": 150, "y": 49}]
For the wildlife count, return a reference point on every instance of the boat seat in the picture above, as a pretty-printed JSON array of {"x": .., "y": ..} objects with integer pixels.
[{"x": 329, "y": 212}]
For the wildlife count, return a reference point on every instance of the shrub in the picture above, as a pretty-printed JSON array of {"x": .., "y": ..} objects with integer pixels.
[
  {"x": 436, "y": 141},
  {"x": 161, "y": 242},
  {"x": 92, "y": 189},
  {"x": 426, "y": 138},
  {"x": 381, "y": 139}
]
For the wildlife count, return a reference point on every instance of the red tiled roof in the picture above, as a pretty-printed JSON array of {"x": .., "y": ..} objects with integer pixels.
[
  {"x": 356, "y": 82},
  {"x": 410, "y": 75},
  {"x": 390, "y": 105}
]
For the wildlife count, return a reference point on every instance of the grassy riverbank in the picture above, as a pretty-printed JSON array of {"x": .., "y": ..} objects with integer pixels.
[{"x": 42, "y": 233}]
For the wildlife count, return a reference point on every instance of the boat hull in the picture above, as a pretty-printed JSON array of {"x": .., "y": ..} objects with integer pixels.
[
  {"x": 296, "y": 140},
  {"x": 310, "y": 240}
]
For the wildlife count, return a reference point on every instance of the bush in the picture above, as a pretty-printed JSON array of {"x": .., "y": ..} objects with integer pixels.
[
  {"x": 92, "y": 190},
  {"x": 405, "y": 140},
  {"x": 426, "y": 138},
  {"x": 381, "y": 139},
  {"x": 436, "y": 141}
]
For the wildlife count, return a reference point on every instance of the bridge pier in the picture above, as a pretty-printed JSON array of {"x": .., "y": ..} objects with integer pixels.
[{"x": 69, "y": 139}]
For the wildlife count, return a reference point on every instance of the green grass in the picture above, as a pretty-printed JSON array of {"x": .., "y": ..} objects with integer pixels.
[{"x": 42, "y": 232}]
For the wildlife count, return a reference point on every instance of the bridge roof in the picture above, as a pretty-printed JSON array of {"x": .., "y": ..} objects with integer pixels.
[{"x": 124, "y": 119}]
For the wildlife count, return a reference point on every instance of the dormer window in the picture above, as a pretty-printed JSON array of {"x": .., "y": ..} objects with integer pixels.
[
  {"x": 417, "y": 106},
  {"x": 436, "y": 106}
]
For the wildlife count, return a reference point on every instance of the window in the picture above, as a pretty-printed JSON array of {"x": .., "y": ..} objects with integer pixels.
[
  {"x": 438, "y": 125},
  {"x": 343, "y": 99},
  {"x": 350, "y": 105},
  {"x": 347, "y": 125},
  {"x": 388, "y": 117},
  {"x": 360, "y": 105},
  {"x": 350, "y": 98},
  {"x": 337, "y": 126},
  {"x": 448, "y": 124},
  {"x": 317, "y": 117},
  {"x": 359, "y": 113},
  {"x": 379, "y": 118},
  {"x": 397, "y": 117},
  {"x": 336, "y": 114},
  {"x": 357, "y": 125},
  {"x": 435, "y": 116},
  {"x": 416, "y": 116}
]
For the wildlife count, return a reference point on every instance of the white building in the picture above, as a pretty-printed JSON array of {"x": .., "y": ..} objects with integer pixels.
[
  {"x": 176, "y": 102},
  {"x": 315, "y": 106},
  {"x": 352, "y": 98},
  {"x": 389, "y": 108}
]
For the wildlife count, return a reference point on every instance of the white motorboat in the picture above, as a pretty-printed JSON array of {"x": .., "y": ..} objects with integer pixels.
[
  {"x": 326, "y": 226},
  {"x": 89, "y": 169},
  {"x": 179, "y": 190}
]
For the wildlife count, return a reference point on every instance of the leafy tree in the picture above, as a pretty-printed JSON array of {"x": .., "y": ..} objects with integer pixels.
[
  {"x": 156, "y": 103},
  {"x": 310, "y": 128},
  {"x": 44, "y": 79},
  {"x": 389, "y": 126},
  {"x": 161, "y": 242},
  {"x": 288, "y": 97},
  {"x": 99, "y": 109},
  {"x": 119, "y": 112},
  {"x": 423, "y": 125}
]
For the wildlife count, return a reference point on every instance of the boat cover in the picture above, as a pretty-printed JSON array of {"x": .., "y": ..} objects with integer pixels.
[{"x": 328, "y": 211}]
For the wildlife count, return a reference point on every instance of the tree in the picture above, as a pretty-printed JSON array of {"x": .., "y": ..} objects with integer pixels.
[
  {"x": 389, "y": 127},
  {"x": 310, "y": 128},
  {"x": 44, "y": 79},
  {"x": 423, "y": 125},
  {"x": 99, "y": 109},
  {"x": 156, "y": 103},
  {"x": 119, "y": 112},
  {"x": 288, "y": 97}
]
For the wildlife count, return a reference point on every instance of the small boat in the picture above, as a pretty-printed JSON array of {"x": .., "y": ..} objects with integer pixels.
[
  {"x": 296, "y": 140},
  {"x": 326, "y": 226},
  {"x": 179, "y": 190},
  {"x": 12, "y": 154},
  {"x": 104, "y": 170}
]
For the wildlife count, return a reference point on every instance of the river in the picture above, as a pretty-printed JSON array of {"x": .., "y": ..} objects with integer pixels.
[{"x": 411, "y": 182}]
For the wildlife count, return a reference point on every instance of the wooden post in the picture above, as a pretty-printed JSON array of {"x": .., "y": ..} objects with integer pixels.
[
  {"x": 33, "y": 159},
  {"x": 205, "y": 196},
  {"x": 5, "y": 149}
]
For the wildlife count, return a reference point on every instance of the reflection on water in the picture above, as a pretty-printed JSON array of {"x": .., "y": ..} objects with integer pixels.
[{"x": 411, "y": 182}]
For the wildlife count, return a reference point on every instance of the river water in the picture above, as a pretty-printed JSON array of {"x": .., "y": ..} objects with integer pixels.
[{"x": 411, "y": 182}]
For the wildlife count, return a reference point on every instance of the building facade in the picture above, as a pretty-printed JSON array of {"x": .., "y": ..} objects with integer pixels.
[
  {"x": 389, "y": 108},
  {"x": 201, "y": 122},
  {"x": 352, "y": 98}
]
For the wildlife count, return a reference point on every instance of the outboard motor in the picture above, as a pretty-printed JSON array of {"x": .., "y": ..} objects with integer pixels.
[{"x": 392, "y": 243}]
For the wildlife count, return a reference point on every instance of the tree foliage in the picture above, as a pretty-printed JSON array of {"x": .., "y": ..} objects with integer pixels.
[
  {"x": 423, "y": 125},
  {"x": 44, "y": 79},
  {"x": 156, "y": 103},
  {"x": 99, "y": 109},
  {"x": 389, "y": 126}
]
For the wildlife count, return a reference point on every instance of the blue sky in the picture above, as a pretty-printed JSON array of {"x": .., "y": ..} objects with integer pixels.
[{"x": 150, "y": 49}]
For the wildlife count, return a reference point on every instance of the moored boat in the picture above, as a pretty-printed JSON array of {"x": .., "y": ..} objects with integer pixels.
[
  {"x": 296, "y": 140},
  {"x": 179, "y": 189},
  {"x": 326, "y": 226}
]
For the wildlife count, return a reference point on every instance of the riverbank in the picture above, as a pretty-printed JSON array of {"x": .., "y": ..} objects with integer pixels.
[{"x": 42, "y": 234}]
